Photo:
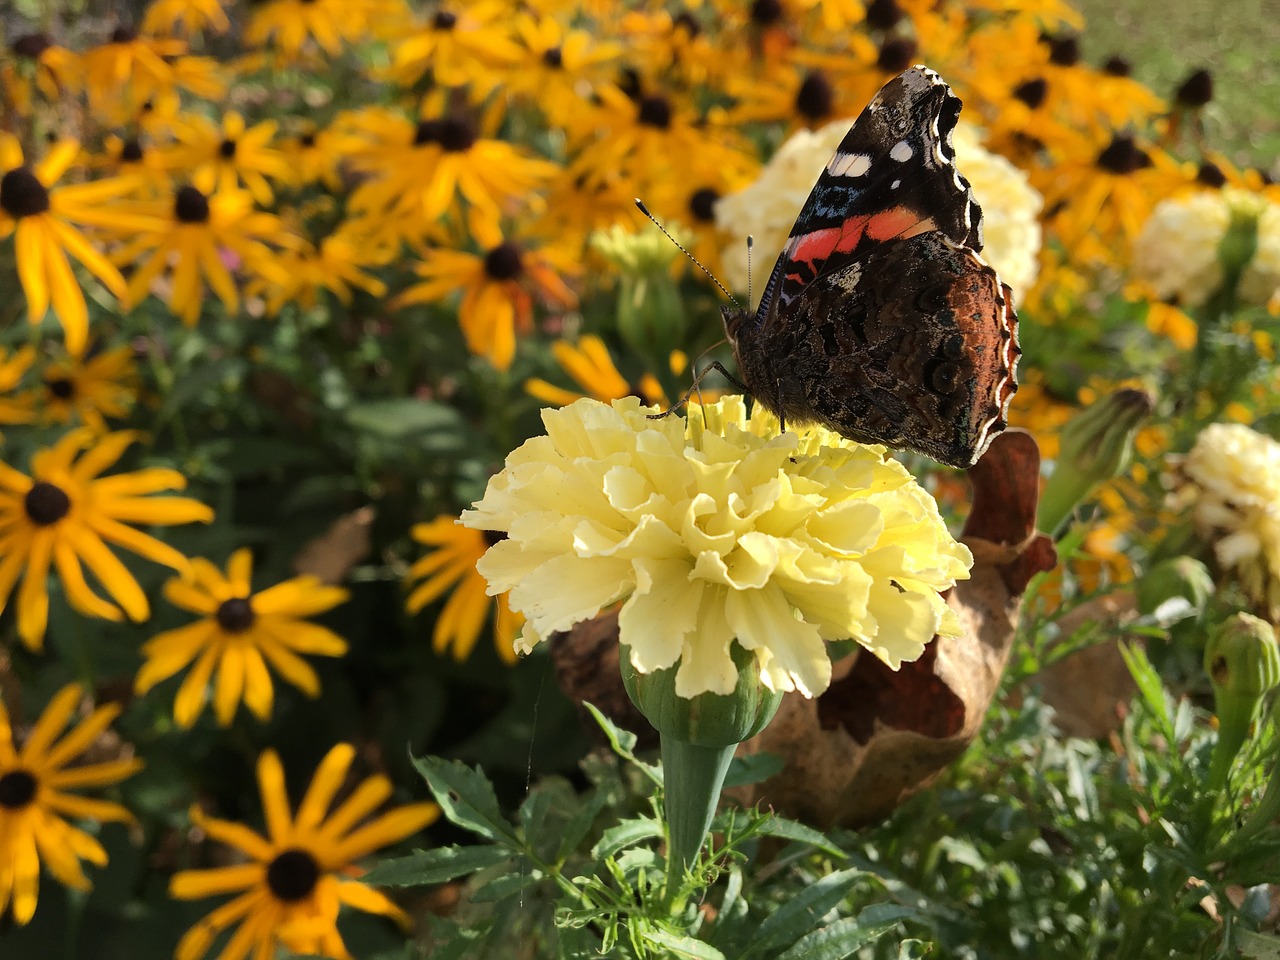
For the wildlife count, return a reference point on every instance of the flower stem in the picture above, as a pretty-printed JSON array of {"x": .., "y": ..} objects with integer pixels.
[{"x": 693, "y": 776}]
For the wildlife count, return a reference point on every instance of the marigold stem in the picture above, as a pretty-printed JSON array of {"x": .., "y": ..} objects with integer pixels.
[{"x": 693, "y": 776}]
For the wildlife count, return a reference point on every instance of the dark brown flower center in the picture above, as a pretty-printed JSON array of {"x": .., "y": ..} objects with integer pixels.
[
  {"x": 31, "y": 45},
  {"x": 427, "y": 131},
  {"x": 884, "y": 14},
  {"x": 307, "y": 140},
  {"x": 1117, "y": 67},
  {"x": 444, "y": 20},
  {"x": 1032, "y": 92},
  {"x": 686, "y": 21},
  {"x": 896, "y": 54},
  {"x": 1196, "y": 90},
  {"x": 504, "y": 262},
  {"x": 130, "y": 151},
  {"x": 235, "y": 615},
  {"x": 765, "y": 13},
  {"x": 46, "y": 504},
  {"x": 293, "y": 875},
  {"x": 22, "y": 194},
  {"x": 1211, "y": 175},
  {"x": 816, "y": 98},
  {"x": 553, "y": 57},
  {"x": 227, "y": 149},
  {"x": 702, "y": 204},
  {"x": 457, "y": 135},
  {"x": 1064, "y": 50},
  {"x": 1123, "y": 156},
  {"x": 17, "y": 789},
  {"x": 63, "y": 388},
  {"x": 190, "y": 205},
  {"x": 124, "y": 35},
  {"x": 655, "y": 111}
]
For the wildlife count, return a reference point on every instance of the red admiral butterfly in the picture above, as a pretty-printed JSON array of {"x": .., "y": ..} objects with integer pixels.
[{"x": 880, "y": 319}]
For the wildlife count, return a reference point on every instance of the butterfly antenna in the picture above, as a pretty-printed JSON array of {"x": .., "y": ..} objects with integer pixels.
[
  {"x": 680, "y": 247},
  {"x": 751, "y": 242}
]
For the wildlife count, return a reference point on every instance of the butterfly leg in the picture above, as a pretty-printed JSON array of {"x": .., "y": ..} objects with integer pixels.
[{"x": 697, "y": 384}]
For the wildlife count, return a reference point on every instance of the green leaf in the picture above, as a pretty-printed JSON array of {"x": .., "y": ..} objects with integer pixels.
[
  {"x": 754, "y": 768},
  {"x": 576, "y": 829},
  {"x": 622, "y": 741},
  {"x": 1257, "y": 946},
  {"x": 403, "y": 418},
  {"x": 785, "y": 829},
  {"x": 678, "y": 946},
  {"x": 913, "y": 949},
  {"x": 840, "y": 939},
  {"x": 434, "y": 866},
  {"x": 466, "y": 798},
  {"x": 797, "y": 916},
  {"x": 452, "y": 942},
  {"x": 521, "y": 876},
  {"x": 626, "y": 834},
  {"x": 1149, "y": 683}
]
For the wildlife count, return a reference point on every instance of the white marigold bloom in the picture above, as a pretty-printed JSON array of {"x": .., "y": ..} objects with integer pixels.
[
  {"x": 1177, "y": 250},
  {"x": 767, "y": 209},
  {"x": 1231, "y": 483},
  {"x": 718, "y": 531}
]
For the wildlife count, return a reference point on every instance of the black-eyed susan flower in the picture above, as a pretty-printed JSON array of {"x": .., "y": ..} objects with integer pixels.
[
  {"x": 556, "y": 65},
  {"x": 335, "y": 264},
  {"x": 16, "y": 406},
  {"x": 63, "y": 516},
  {"x": 460, "y": 43},
  {"x": 201, "y": 239},
  {"x": 718, "y": 533},
  {"x": 498, "y": 288},
  {"x": 43, "y": 220},
  {"x": 296, "y": 877},
  {"x": 450, "y": 567},
  {"x": 127, "y": 71},
  {"x": 37, "y": 795},
  {"x": 185, "y": 17},
  {"x": 35, "y": 63},
  {"x": 288, "y": 25},
  {"x": 220, "y": 157},
  {"x": 89, "y": 389},
  {"x": 240, "y": 636},
  {"x": 589, "y": 365}
]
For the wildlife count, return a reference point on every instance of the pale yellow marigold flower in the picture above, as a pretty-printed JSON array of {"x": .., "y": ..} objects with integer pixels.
[
  {"x": 1230, "y": 482},
  {"x": 714, "y": 531}
]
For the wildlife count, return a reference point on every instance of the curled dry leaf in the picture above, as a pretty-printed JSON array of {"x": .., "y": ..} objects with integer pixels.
[
  {"x": 331, "y": 555},
  {"x": 876, "y": 736}
]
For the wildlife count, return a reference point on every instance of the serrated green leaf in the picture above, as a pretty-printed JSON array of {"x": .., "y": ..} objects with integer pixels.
[
  {"x": 1149, "y": 683},
  {"x": 797, "y": 916},
  {"x": 678, "y": 946},
  {"x": 434, "y": 866},
  {"x": 1257, "y": 946},
  {"x": 753, "y": 768},
  {"x": 467, "y": 798},
  {"x": 622, "y": 741},
  {"x": 785, "y": 829},
  {"x": 626, "y": 834},
  {"x": 840, "y": 939}
]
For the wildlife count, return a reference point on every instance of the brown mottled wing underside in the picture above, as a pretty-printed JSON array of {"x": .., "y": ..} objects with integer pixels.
[{"x": 914, "y": 346}]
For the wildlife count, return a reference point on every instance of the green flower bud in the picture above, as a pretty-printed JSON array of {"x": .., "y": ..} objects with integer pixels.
[
  {"x": 1169, "y": 581},
  {"x": 650, "y": 310},
  {"x": 709, "y": 719},
  {"x": 1242, "y": 659},
  {"x": 1096, "y": 445}
]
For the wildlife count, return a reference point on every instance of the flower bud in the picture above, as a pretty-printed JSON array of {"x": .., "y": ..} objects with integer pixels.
[
  {"x": 650, "y": 310},
  {"x": 1181, "y": 581},
  {"x": 708, "y": 719},
  {"x": 1242, "y": 659},
  {"x": 1096, "y": 445}
]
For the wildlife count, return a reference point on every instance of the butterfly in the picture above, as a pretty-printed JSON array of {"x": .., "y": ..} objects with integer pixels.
[{"x": 881, "y": 320}]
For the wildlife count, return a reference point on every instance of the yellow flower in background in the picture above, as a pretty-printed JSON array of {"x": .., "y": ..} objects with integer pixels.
[
  {"x": 16, "y": 407},
  {"x": 297, "y": 877},
  {"x": 65, "y": 514},
  {"x": 336, "y": 265},
  {"x": 450, "y": 567},
  {"x": 241, "y": 635},
  {"x": 460, "y": 43},
  {"x": 35, "y": 63},
  {"x": 219, "y": 157},
  {"x": 38, "y": 791},
  {"x": 1230, "y": 485},
  {"x": 555, "y": 65},
  {"x": 498, "y": 288},
  {"x": 89, "y": 389},
  {"x": 288, "y": 25},
  {"x": 589, "y": 365},
  {"x": 44, "y": 220},
  {"x": 189, "y": 17},
  {"x": 201, "y": 239},
  {"x": 716, "y": 531},
  {"x": 130, "y": 71}
]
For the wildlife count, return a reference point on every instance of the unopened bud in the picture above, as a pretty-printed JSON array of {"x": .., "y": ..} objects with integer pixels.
[
  {"x": 650, "y": 311},
  {"x": 1096, "y": 445},
  {"x": 1242, "y": 659},
  {"x": 1174, "y": 589}
]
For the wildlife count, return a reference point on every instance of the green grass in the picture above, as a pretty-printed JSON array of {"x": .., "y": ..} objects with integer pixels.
[{"x": 1238, "y": 40}]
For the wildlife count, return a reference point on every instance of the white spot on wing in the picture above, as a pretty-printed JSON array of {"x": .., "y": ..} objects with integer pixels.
[
  {"x": 901, "y": 151},
  {"x": 895, "y": 185},
  {"x": 849, "y": 165}
]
